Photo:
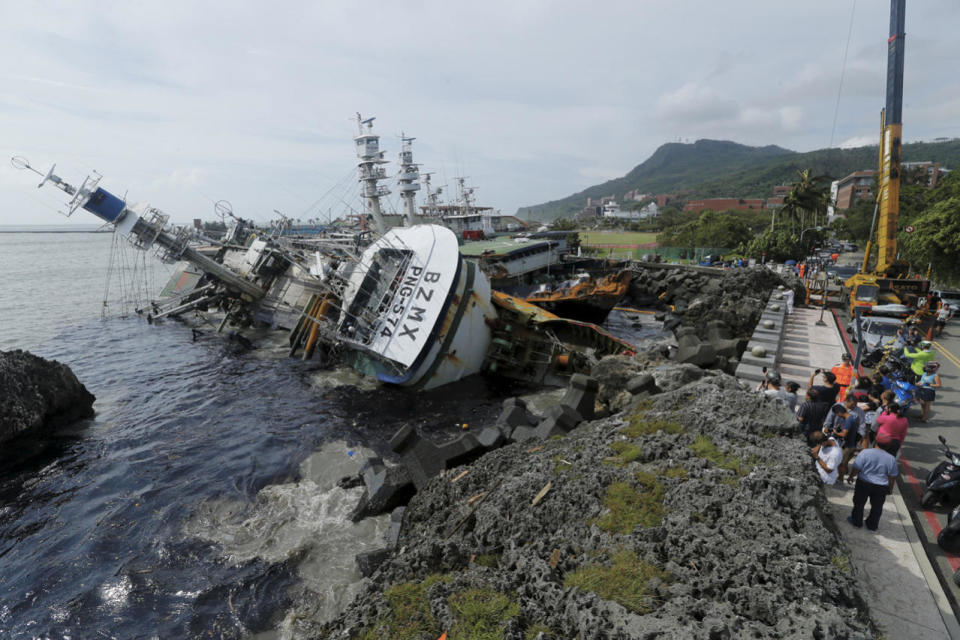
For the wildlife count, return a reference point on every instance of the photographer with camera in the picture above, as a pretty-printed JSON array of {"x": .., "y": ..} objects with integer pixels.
[
  {"x": 828, "y": 391},
  {"x": 811, "y": 415}
]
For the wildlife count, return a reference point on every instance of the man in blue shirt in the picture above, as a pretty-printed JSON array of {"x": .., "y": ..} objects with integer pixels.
[{"x": 875, "y": 470}]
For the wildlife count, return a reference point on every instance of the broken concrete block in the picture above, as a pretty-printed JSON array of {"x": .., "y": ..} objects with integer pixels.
[
  {"x": 671, "y": 322},
  {"x": 515, "y": 414},
  {"x": 491, "y": 437},
  {"x": 396, "y": 525},
  {"x": 581, "y": 395},
  {"x": 641, "y": 383},
  {"x": 559, "y": 420},
  {"x": 425, "y": 459},
  {"x": 718, "y": 330},
  {"x": 370, "y": 561},
  {"x": 385, "y": 488},
  {"x": 690, "y": 349}
]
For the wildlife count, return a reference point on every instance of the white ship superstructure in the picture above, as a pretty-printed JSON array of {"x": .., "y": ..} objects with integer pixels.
[{"x": 414, "y": 311}]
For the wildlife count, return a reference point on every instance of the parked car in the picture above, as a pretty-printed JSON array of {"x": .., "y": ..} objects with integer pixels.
[
  {"x": 843, "y": 272},
  {"x": 875, "y": 331},
  {"x": 950, "y": 297}
]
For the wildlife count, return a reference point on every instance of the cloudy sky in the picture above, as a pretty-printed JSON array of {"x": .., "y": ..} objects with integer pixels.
[{"x": 180, "y": 104}]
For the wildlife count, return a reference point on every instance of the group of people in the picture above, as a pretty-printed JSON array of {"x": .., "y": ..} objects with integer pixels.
[{"x": 854, "y": 427}]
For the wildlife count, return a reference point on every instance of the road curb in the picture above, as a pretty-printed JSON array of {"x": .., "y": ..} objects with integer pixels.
[{"x": 929, "y": 573}]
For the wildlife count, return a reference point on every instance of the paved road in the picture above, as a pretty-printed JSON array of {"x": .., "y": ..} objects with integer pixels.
[{"x": 922, "y": 452}]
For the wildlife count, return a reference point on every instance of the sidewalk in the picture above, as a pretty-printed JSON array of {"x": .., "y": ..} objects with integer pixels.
[{"x": 904, "y": 593}]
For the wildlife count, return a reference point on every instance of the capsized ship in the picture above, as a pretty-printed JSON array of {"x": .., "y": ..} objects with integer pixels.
[
  {"x": 407, "y": 309},
  {"x": 583, "y": 297}
]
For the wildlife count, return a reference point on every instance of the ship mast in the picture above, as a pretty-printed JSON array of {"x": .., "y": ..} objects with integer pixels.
[
  {"x": 144, "y": 229},
  {"x": 409, "y": 182},
  {"x": 432, "y": 208},
  {"x": 368, "y": 150},
  {"x": 465, "y": 196}
]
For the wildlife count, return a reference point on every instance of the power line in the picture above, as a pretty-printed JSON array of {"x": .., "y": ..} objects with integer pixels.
[{"x": 843, "y": 69}]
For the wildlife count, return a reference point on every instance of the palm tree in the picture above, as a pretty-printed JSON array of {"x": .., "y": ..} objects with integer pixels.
[{"x": 807, "y": 195}]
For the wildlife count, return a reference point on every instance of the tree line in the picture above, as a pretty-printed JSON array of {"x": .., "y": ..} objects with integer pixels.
[{"x": 793, "y": 230}]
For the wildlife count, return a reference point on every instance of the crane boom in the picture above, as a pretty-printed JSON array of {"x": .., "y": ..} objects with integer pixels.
[
  {"x": 887, "y": 281},
  {"x": 890, "y": 144}
]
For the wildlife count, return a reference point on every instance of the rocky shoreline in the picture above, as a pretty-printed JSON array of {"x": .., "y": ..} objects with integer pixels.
[
  {"x": 38, "y": 395},
  {"x": 692, "y": 513},
  {"x": 683, "y": 506}
]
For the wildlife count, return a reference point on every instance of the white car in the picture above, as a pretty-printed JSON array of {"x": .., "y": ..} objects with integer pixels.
[
  {"x": 875, "y": 331},
  {"x": 950, "y": 297}
]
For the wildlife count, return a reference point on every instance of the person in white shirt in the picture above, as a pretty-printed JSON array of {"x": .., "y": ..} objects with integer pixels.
[
  {"x": 827, "y": 456},
  {"x": 944, "y": 314},
  {"x": 788, "y": 294}
]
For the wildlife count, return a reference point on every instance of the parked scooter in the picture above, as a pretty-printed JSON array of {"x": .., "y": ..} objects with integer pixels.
[
  {"x": 943, "y": 485},
  {"x": 905, "y": 392},
  {"x": 949, "y": 537}
]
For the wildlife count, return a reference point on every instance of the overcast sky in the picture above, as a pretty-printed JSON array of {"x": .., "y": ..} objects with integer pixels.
[{"x": 181, "y": 104}]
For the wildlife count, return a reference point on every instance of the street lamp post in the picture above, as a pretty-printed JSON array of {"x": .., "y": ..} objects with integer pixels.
[{"x": 808, "y": 229}]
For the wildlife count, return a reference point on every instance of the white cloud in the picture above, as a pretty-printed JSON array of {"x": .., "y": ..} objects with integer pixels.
[
  {"x": 859, "y": 141},
  {"x": 704, "y": 109},
  {"x": 182, "y": 103},
  {"x": 694, "y": 102}
]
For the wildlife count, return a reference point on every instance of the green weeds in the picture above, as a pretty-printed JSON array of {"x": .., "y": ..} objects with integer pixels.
[
  {"x": 480, "y": 614},
  {"x": 704, "y": 448},
  {"x": 626, "y": 581},
  {"x": 628, "y": 507},
  {"x": 627, "y": 452}
]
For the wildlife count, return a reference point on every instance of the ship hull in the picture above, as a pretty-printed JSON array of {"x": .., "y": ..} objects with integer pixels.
[
  {"x": 416, "y": 312},
  {"x": 593, "y": 310},
  {"x": 587, "y": 300}
]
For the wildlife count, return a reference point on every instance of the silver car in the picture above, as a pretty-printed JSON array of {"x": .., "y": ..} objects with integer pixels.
[{"x": 876, "y": 331}]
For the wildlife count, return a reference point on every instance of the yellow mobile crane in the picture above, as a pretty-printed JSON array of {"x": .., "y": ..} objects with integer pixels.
[{"x": 888, "y": 281}]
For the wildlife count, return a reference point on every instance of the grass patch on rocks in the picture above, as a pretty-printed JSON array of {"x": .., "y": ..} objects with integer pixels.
[
  {"x": 480, "y": 614},
  {"x": 491, "y": 560},
  {"x": 534, "y": 631},
  {"x": 841, "y": 562},
  {"x": 704, "y": 447},
  {"x": 628, "y": 581},
  {"x": 675, "y": 473},
  {"x": 627, "y": 507},
  {"x": 410, "y": 616},
  {"x": 627, "y": 452},
  {"x": 641, "y": 425}
]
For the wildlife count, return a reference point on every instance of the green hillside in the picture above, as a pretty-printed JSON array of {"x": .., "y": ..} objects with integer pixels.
[{"x": 715, "y": 168}]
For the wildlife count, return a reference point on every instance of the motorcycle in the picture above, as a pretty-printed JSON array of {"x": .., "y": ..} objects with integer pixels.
[
  {"x": 943, "y": 485},
  {"x": 949, "y": 537},
  {"x": 905, "y": 393}
]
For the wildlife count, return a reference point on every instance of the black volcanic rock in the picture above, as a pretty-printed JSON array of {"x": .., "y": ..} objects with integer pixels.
[
  {"x": 38, "y": 394},
  {"x": 744, "y": 540}
]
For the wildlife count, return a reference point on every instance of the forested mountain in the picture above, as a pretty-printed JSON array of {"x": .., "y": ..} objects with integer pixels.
[{"x": 717, "y": 168}]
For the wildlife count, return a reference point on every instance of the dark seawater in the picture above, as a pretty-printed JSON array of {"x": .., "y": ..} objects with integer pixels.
[{"x": 201, "y": 499}]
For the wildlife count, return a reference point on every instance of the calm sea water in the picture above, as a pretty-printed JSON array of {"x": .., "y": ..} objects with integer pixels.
[{"x": 201, "y": 499}]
